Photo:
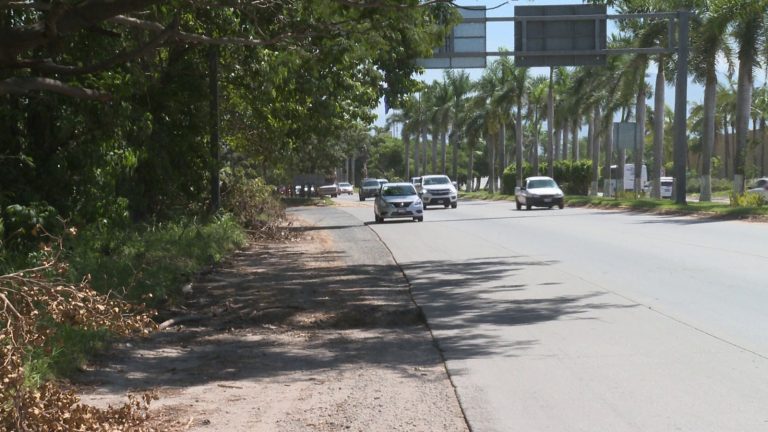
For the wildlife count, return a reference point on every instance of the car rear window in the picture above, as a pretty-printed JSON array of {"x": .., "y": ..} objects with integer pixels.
[
  {"x": 666, "y": 183},
  {"x": 371, "y": 183}
]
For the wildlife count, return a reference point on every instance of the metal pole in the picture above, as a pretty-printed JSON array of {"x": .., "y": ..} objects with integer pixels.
[{"x": 681, "y": 109}]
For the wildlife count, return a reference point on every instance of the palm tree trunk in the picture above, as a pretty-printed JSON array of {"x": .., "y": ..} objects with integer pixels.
[
  {"x": 491, "y": 143},
  {"x": 608, "y": 154},
  {"x": 503, "y": 144},
  {"x": 639, "y": 139},
  {"x": 471, "y": 168},
  {"x": 519, "y": 142},
  {"x": 455, "y": 141},
  {"x": 435, "y": 138},
  {"x": 594, "y": 123},
  {"x": 658, "y": 130},
  {"x": 708, "y": 135},
  {"x": 550, "y": 126},
  {"x": 565, "y": 142},
  {"x": 424, "y": 151},
  {"x": 743, "y": 105},
  {"x": 590, "y": 134},
  {"x": 407, "y": 143},
  {"x": 442, "y": 151},
  {"x": 575, "y": 139},
  {"x": 764, "y": 144},
  {"x": 417, "y": 155}
]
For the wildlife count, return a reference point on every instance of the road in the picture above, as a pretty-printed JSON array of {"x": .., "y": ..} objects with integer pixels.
[{"x": 588, "y": 320}]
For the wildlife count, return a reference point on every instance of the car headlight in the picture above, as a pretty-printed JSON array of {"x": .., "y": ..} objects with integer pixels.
[
  {"x": 559, "y": 195},
  {"x": 532, "y": 195},
  {"x": 417, "y": 203}
]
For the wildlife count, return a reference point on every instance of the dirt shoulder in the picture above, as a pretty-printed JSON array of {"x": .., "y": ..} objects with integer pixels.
[{"x": 288, "y": 337}]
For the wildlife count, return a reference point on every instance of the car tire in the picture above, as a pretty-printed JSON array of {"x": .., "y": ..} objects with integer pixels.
[
  {"x": 362, "y": 198},
  {"x": 561, "y": 205},
  {"x": 425, "y": 206},
  {"x": 419, "y": 219},
  {"x": 517, "y": 204},
  {"x": 454, "y": 205},
  {"x": 334, "y": 196},
  {"x": 527, "y": 206},
  {"x": 445, "y": 205}
]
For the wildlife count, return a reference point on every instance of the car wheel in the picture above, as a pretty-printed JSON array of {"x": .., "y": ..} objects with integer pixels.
[
  {"x": 527, "y": 206},
  {"x": 425, "y": 206},
  {"x": 561, "y": 205},
  {"x": 446, "y": 205},
  {"x": 517, "y": 204},
  {"x": 419, "y": 219},
  {"x": 334, "y": 196},
  {"x": 362, "y": 198},
  {"x": 454, "y": 205}
]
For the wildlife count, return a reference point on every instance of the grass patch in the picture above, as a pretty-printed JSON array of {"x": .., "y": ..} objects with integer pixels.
[
  {"x": 709, "y": 209},
  {"x": 487, "y": 196},
  {"x": 152, "y": 262},
  {"x": 304, "y": 202}
]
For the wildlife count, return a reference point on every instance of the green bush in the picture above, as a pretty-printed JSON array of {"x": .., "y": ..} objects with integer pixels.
[
  {"x": 252, "y": 202},
  {"x": 151, "y": 260},
  {"x": 25, "y": 224},
  {"x": 747, "y": 200},
  {"x": 573, "y": 177}
]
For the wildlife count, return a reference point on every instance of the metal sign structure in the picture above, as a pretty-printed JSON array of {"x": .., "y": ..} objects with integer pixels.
[
  {"x": 624, "y": 135},
  {"x": 466, "y": 37},
  {"x": 548, "y": 42},
  {"x": 575, "y": 35}
]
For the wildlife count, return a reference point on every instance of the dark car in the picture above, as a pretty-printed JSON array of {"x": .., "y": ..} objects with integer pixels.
[{"x": 369, "y": 188}]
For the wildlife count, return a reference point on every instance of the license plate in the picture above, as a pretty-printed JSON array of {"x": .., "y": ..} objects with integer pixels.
[
  {"x": 547, "y": 199},
  {"x": 401, "y": 212}
]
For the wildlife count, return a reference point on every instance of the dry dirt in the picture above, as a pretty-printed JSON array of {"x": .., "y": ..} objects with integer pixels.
[{"x": 285, "y": 337}]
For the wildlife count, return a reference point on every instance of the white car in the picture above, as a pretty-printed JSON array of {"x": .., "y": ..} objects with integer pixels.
[
  {"x": 346, "y": 188},
  {"x": 539, "y": 191},
  {"x": 330, "y": 190},
  {"x": 398, "y": 200},
  {"x": 760, "y": 187},
  {"x": 438, "y": 189}
]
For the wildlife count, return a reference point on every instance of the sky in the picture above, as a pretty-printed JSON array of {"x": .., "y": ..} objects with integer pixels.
[{"x": 501, "y": 35}]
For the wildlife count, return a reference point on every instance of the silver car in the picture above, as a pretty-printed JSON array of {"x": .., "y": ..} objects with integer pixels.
[{"x": 398, "y": 200}]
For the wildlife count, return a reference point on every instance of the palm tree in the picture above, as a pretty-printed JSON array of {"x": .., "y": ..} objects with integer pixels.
[
  {"x": 537, "y": 100},
  {"x": 760, "y": 107},
  {"x": 460, "y": 85},
  {"x": 708, "y": 42},
  {"x": 748, "y": 19}
]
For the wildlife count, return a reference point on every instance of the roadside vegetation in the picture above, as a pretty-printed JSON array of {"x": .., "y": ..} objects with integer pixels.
[{"x": 143, "y": 142}]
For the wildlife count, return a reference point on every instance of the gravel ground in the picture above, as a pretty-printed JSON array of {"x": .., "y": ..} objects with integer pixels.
[{"x": 316, "y": 334}]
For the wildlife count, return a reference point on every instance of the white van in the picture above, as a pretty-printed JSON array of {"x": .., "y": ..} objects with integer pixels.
[{"x": 667, "y": 184}]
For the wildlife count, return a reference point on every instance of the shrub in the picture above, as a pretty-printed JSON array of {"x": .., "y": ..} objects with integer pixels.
[
  {"x": 152, "y": 260},
  {"x": 251, "y": 201}
]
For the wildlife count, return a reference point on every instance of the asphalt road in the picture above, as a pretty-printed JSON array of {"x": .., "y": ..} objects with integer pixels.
[{"x": 586, "y": 320}]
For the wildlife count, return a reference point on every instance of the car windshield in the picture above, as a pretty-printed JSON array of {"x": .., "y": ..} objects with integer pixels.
[
  {"x": 435, "y": 181},
  {"x": 345, "y": 184},
  {"x": 666, "y": 183},
  {"x": 371, "y": 183},
  {"x": 541, "y": 183},
  {"x": 399, "y": 190}
]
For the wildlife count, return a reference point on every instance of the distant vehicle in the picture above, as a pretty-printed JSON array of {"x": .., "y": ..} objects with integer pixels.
[
  {"x": 667, "y": 184},
  {"x": 382, "y": 181},
  {"x": 416, "y": 182},
  {"x": 438, "y": 189},
  {"x": 346, "y": 188},
  {"x": 760, "y": 187},
  {"x": 369, "y": 188},
  {"x": 538, "y": 191},
  {"x": 398, "y": 200},
  {"x": 330, "y": 190}
]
